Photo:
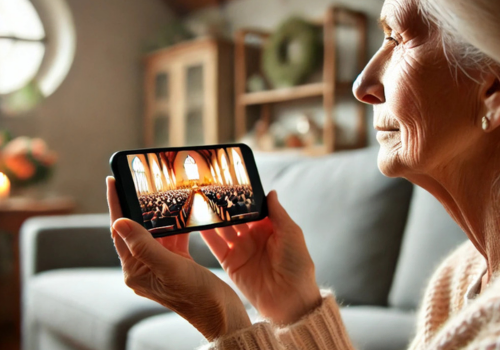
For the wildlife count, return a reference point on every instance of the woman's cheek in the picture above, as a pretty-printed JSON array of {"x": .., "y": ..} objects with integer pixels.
[
  {"x": 408, "y": 111},
  {"x": 413, "y": 141}
]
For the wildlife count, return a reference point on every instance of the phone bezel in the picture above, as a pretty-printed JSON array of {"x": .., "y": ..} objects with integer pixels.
[{"x": 129, "y": 202}]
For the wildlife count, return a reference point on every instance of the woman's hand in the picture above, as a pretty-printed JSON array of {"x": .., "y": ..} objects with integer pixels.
[
  {"x": 269, "y": 262},
  {"x": 171, "y": 277}
]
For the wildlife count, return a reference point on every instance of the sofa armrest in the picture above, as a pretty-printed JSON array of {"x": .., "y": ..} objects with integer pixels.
[{"x": 55, "y": 242}]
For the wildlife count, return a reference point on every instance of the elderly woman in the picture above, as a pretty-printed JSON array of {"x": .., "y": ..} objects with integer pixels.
[{"x": 437, "y": 112}]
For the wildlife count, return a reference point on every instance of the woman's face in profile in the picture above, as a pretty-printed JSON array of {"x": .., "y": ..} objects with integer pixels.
[{"x": 424, "y": 109}]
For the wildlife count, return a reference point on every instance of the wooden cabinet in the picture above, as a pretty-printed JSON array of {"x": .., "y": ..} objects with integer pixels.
[
  {"x": 247, "y": 63},
  {"x": 189, "y": 94}
]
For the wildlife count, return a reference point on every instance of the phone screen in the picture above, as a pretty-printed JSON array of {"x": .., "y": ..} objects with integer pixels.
[{"x": 186, "y": 188}]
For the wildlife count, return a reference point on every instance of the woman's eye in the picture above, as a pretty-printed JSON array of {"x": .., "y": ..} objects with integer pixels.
[{"x": 393, "y": 40}]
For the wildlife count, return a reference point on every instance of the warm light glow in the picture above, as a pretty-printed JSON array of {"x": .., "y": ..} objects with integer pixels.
[
  {"x": 202, "y": 210},
  {"x": 141, "y": 182},
  {"x": 157, "y": 177},
  {"x": 191, "y": 168},
  {"x": 225, "y": 170},
  {"x": 239, "y": 169},
  {"x": 4, "y": 186},
  {"x": 218, "y": 172}
]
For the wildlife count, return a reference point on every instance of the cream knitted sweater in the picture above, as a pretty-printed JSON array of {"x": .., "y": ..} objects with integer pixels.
[{"x": 448, "y": 318}]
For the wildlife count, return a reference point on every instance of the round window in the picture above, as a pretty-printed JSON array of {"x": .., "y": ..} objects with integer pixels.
[{"x": 37, "y": 44}]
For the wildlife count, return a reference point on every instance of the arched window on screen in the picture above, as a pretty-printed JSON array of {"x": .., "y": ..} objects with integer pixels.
[
  {"x": 225, "y": 171},
  {"x": 141, "y": 182},
  {"x": 167, "y": 177},
  {"x": 217, "y": 169},
  {"x": 157, "y": 176},
  {"x": 191, "y": 168},
  {"x": 213, "y": 174},
  {"x": 239, "y": 169}
]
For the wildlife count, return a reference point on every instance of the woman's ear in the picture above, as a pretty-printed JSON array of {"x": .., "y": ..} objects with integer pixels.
[{"x": 492, "y": 103}]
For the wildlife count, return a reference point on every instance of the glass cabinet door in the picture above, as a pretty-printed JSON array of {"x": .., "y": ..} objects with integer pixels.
[
  {"x": 161, "y": 129},
  {"x": 161, "y": 86},
  {"x": 161, "y": 119},
  {"x": 194, "y": 128}
]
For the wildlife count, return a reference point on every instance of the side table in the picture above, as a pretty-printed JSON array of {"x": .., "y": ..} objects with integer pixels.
[{"x": 13, "y": 212}]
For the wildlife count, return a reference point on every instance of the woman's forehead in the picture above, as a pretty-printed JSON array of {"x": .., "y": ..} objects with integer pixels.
[
  {"x": 404, "y": 16},
  {"x": 400, "y": 13}
]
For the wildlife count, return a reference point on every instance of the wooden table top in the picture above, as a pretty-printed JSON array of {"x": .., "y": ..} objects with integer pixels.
[{"x": 32, "y": 205}]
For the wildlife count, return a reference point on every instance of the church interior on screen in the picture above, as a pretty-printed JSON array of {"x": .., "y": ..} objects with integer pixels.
[{"x": 192, "y": 188}]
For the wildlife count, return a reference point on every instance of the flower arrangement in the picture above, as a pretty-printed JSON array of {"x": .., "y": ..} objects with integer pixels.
[{"x": 25, "y": 160}]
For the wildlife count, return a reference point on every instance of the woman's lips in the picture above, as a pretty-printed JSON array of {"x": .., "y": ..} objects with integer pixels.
[
  {"x": 387, "y": 134},
  {"x": 386, "y": 129}
]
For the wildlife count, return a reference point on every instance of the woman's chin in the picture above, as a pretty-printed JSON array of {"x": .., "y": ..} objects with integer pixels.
[{"x": 389, "y": 162}]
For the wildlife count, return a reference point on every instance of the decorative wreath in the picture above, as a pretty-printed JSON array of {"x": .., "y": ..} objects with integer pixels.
[{"x": 291, "y": 53}]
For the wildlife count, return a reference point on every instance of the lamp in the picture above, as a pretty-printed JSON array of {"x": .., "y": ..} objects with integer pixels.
[{"x": 4, "y": 186}]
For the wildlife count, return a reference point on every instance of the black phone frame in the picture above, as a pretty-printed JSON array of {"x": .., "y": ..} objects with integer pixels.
[{"x": 129, "y": 201}]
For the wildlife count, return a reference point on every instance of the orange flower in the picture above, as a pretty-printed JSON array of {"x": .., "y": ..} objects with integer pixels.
[
  {"x": 19, "y": 145},
  {"x": 23, "y": 157},
  {"x": 20, "y": 166}
]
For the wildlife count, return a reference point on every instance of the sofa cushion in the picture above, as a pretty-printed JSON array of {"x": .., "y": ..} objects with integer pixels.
[
  {"x": 169, "y": 332},
  {"x": 430, "y": 235},
  {"x": 164, "y": 332},
  {"x": 352, "y": 217},
  {"x": 370, "y": 328},
  {"x": 91, "y": 307},
  {"x": 379, "y": 328}
]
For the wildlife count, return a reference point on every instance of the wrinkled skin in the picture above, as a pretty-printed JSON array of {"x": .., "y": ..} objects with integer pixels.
[
  {"x": 162, "y": 270},
  {"x": 428, "y": 115},
  {"x": 269, "y": 262},
  {"x": 421, "y": 108}
]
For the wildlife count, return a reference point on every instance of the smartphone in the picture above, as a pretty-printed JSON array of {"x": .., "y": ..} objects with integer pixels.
[{"x": 182, "y": 189}]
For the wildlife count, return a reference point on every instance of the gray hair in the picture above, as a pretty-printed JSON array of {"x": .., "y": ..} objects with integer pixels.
[{"x": 452, "y": 18}]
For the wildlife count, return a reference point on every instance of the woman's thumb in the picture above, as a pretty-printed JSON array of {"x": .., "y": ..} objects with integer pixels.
[{"x": 140, "y": 242}]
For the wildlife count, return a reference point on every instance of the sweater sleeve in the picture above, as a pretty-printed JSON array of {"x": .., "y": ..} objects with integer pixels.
[
  {"x": 257, "y": 337},
  {"x": 322, "y": 329}
]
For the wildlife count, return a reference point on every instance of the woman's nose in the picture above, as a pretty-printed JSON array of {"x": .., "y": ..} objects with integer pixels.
[{"x": 368, "y": 88}]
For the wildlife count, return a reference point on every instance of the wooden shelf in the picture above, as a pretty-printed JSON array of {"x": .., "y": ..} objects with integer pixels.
[
  {"x": 290, "y": 94},
  {"x": 312, "y": 151},
  {"x": 185, "y": 7},
  {"x": 248, "y": 59},
  {"x": 282, "y": 95}
]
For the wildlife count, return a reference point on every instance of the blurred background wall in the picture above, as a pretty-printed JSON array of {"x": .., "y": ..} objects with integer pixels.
[{"x": 98, "y": 108}]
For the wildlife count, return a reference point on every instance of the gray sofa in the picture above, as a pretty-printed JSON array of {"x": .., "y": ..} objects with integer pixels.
[{"x": 374, "y": 240}]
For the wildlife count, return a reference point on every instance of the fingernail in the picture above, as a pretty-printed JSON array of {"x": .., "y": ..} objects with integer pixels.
[{"x": 123, "y": 228}]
